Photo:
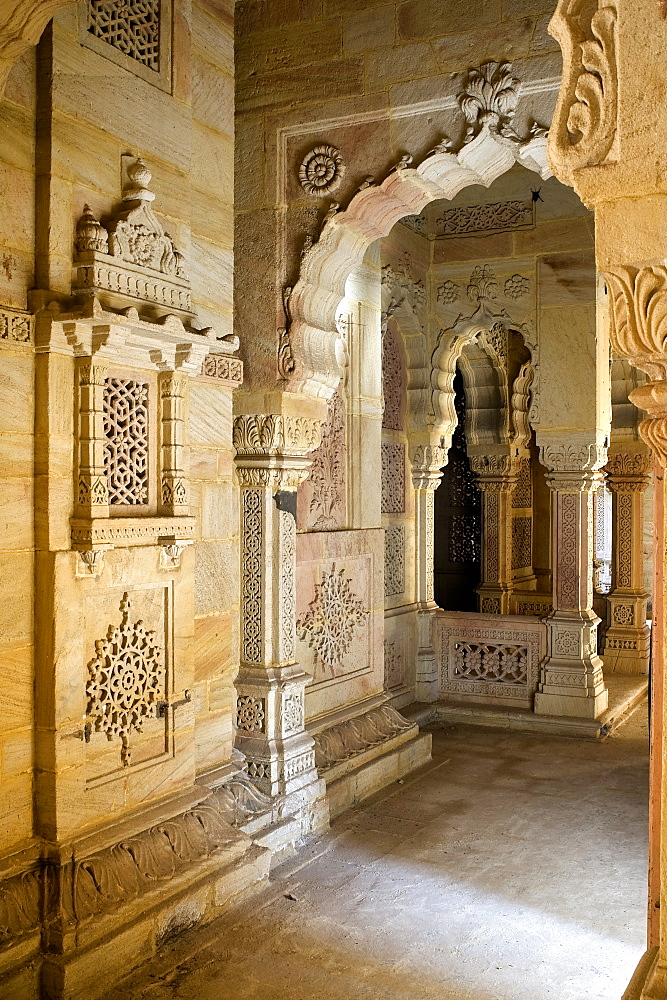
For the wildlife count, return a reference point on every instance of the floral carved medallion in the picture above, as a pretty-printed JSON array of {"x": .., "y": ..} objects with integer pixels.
[
  {"x": 321, "y": 170},
  {"x": 126, "y": 680},
  {"x": 333, "y": 616}
]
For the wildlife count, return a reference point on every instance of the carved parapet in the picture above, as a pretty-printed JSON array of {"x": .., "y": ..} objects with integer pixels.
[
  {"x": 132, "y": 257},
  {"x": 222, "y": 368}
]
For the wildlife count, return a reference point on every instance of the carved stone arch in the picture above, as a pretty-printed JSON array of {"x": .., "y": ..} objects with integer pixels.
[
  {"x": 371, "y": 214},
  {"x": 406, "y": 321},
  {"x": 21, "y": 25},
  {"x": 497, "y": 412}
]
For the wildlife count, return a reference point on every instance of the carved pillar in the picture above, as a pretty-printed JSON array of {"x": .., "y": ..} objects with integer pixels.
[
  {"x": 270, "y": 718},
  {"x": 173, "y": 488},
  {"x": 92, "y": 490},
  {"x": 427, "y": 466},
  {"x": 571, "y": 680},
  {"x": 496, "y": 478},
  {"x": 628, "y": 637}
]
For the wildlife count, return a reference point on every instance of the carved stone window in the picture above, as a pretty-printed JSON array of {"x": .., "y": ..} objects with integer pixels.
[
  {"x": 135, "y": 34},
  {"x": 126, "y": 458}
]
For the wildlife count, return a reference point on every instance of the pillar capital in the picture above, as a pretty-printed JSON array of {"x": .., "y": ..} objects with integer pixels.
[
  {"x": 628, "y": 468},
  {"x": 427, "y": 464},
  {"x": 573, "y": 466}
]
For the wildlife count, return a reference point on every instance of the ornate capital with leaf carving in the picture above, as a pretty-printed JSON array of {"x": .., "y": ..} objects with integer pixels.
[
  {"x": 427, "y": 465},
  {"x": 638, "y": 330},
  {"x": 628, "y": 470},
  {"x": 272, "y": 450},
  {"x": 573, "y": 467}
]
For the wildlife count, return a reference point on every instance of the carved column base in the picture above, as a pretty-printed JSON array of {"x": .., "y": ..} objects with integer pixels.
[
  {"x": 494, "y": 599},
  {"x": 628, "y": 642},
  {"x": 427, "y": 681},
  {"x": 571, "y": 682},
  {"x": 279, "y": 753}
]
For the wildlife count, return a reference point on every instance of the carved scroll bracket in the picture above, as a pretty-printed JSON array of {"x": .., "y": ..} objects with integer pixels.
[{"x": 638, "y": 332}]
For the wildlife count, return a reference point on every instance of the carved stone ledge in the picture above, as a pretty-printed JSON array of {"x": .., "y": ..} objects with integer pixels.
[{"x": 123, "y": 532}]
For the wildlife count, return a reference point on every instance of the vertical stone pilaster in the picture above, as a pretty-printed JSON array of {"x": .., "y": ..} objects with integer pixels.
[
  {"x": 270, "y": 713},
  {"x": 173, "y": 479},
  {"x": 496, "y": 478},
  {"x": 628, "y": 639},
  {"x": 92, "y": 496},
  {"x": 427, "y": 466},
  {"x": 571, "y": 681}
]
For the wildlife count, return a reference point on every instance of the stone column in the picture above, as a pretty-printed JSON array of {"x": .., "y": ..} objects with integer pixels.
[
  {"x": 496, "y": 478},
  {"x": 173, "y": 487},
  {"x": 270, "y": 717},
  {"x": 571, "y": 681},
  {"x": 427, "y": 466},
  {"x": 627, "y": 646},
  {"x": 92, "y": 491}
]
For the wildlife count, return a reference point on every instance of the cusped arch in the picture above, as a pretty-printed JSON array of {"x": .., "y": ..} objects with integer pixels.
[{"x": 371, "y": 215}]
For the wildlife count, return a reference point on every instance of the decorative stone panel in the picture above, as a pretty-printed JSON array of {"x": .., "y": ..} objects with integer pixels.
[
  {"x": 393, "y": 380},
  {"x": 126, "y": 682},
  {"x": 394, "y": 663},
  {"x": 126, "y": 448},
  {"x": 394, "y": 560},
  {"x": 491, "y": 659},
  {"x": 333, "y": 616},
  {"x": 321, "y": 499},
  {"x": 16, "y": 326},
  {"x": 393, "y": 478}
]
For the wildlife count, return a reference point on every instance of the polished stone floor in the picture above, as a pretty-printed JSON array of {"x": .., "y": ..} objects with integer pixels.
[{"x": 511, "y": 868}]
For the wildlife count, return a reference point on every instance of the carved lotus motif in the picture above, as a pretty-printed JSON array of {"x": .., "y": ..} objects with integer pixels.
[{"x": 321, "y": 170}]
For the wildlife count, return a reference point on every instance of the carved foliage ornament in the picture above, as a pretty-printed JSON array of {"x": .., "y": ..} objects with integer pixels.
[
  {"x": 126, "y": 680},
  {"x": 356, "y": 735},
  {"x": 585, "y": 118},
  {"x": 489, "y": 97},
  {"x": 137, "y": 236},
  {"x": 333, "y": 616},
  {"x": 321, "y": 170}
]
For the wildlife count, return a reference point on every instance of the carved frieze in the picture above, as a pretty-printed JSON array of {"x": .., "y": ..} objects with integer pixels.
[
  {"x": 497, "y": 217},
  {"x": 16, "y": 326},
  {"x": 225, "y": 369},
  {"x": 347, "y": 739}
]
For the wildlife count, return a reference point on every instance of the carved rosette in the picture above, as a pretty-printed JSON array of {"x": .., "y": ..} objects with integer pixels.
[{"x": 321, "y": 170}]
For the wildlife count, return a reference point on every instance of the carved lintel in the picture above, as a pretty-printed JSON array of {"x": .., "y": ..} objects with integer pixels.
[{"x": 120, "y": 532}]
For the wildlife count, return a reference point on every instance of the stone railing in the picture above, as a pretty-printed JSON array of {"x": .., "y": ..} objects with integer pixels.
[{"x": 489, "y": 659}]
